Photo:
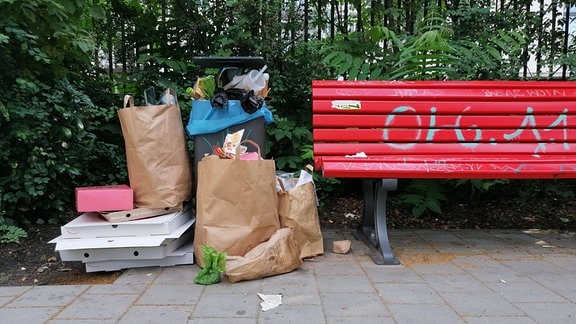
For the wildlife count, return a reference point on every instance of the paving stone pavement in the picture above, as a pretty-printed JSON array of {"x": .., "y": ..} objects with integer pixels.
[{"x": 446, "y": 276}]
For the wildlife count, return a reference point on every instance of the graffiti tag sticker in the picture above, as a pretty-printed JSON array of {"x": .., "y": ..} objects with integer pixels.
[{"x": 347, "y": 104}]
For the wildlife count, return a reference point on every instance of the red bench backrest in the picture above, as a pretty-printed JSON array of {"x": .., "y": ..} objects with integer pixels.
[{"x": 516, "y": 119}]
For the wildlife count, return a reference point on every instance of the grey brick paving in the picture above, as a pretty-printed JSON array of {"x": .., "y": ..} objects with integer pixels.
[
  {"x": 44, "y": 296},
  {"x": 361, "y": 320},
  {"x": 29, "y": 315},
  {"x": 424, "y": 313},
  {"x": 157, "y": 314},
  {"x": 233, "y": 305},
  {"x": 446, "y": 276},
  {"x": 171, "y": 295},
  {"x": 109, "y": 307},
  {"x": 481, "y": 304},
  {"x": 354, "y": 305},
  {"x": 292, "y": 314}
]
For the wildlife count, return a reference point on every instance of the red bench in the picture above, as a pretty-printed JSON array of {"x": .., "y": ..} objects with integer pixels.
[{"x": 384, "y": 130}]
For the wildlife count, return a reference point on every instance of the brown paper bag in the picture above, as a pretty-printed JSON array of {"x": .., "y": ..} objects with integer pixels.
[
  {"x": 156, "y": 154},
  {"x": 297, "y": 210},
  {"x": 236, "y": 204},
  {"x": 280, "y": 254}
]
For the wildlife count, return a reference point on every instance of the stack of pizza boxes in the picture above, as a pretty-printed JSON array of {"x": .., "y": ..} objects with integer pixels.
[{"x": 110, "y": 235}]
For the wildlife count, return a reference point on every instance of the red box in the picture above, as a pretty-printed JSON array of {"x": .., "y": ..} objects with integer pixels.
[{"x": 104, "y": 198}]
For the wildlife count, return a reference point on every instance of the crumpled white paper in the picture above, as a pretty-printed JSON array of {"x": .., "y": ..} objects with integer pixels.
[
  {"x": 357, "y": 155},
  {"x": 289, "y": 182},
  {"x": 270, "y": 301}
]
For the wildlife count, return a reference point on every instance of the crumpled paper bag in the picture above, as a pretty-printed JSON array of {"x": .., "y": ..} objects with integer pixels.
[{"x": 280, "y": 254}]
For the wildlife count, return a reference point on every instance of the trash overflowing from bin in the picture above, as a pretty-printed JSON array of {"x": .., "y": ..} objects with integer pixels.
[
  {"x": 247, "y": 221},
  {"x": 229, "y": 99},
  {"x": 250, "y": 89}
]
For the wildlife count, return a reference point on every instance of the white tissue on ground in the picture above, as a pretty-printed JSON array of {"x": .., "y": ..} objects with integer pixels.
[{"x": 270, "y": 301}]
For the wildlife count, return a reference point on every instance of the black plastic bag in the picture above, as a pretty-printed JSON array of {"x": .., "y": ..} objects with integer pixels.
[
  {"x": 220, "y": 99},
  {"x": 249, "y": 101}
]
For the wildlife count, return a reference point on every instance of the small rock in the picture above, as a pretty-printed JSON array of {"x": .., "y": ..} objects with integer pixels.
[
  {"x": 64, "y": 270},
  {"x": 52, "y": 259},
  {"x": 341, "y": 247}
]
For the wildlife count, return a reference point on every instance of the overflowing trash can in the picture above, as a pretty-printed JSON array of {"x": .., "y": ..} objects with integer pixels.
[{"x": 232, "y": 101}]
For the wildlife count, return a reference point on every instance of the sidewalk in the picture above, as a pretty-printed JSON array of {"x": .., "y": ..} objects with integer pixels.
[{"x": 446, "y": 276}]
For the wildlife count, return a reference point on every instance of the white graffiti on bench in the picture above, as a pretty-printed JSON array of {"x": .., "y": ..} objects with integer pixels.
[
  {"x": 528, "y": 124},
  {"x": 437, "y": 166}
]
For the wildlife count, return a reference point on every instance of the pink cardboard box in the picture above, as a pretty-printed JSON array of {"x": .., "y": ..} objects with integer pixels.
[{"x": 104, "y": 198}]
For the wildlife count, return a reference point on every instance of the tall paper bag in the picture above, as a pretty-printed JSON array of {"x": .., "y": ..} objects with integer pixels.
[
  {"x": 236, "y": 204},
  {"x": 156, "y": 154}
]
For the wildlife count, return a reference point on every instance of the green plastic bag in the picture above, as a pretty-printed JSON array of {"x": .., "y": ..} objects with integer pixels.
[{"x": 214, "y": 264}]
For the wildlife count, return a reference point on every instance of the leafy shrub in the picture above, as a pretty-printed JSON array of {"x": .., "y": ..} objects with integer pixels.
[
  {"x": 11, "y": 234},
  {"x": 423, "y": 196},
  {"x": 55, "y": 134},
  {"x": 49, "y": 152}
]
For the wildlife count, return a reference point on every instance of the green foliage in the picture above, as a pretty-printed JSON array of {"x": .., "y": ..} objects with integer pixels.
[
  {"x": 428, "y": 54},
  {"x": 381, "y": 53},
  {"x": 286, "y": 136},
  {"x": 47, "y": 146},
  {"x": 559, "y": 189},
  {"x": 49, "y": 150},
  {"x": 359, "y": 55},
  {"x": 479, "y": 185},
  {"x": 423, "y": 196},
  {"x": 433, "y": 51},
  {"x": 290, "y": 135},
  {"x": 528, "y": 191},
  {"x": 11, "y": 234}
]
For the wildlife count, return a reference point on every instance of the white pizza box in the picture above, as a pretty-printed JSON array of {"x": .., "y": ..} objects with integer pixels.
[
  {"x": 183, "y": 255},
  {"x": 89, "y": 225},
  {"x": 123, "y": 247},
  {"x": 126, "y": 253}
]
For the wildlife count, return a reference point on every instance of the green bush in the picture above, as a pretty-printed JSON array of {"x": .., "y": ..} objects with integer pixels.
[
  {"x": 55, "y": 134},
  {"x": 11, "y": 234},
  {"x": 49, "y": 151},
  {"x": 423, "y": 196}
]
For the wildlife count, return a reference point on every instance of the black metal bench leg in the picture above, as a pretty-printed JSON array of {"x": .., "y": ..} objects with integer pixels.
[
  {"x": 365, "y": 230},
  {"x": 373, "y": 230}
]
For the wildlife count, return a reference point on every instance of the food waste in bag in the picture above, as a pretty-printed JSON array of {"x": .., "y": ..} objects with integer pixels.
[
  {"x": 214, "y": 265},
  {"x": 233, "y": 148}
]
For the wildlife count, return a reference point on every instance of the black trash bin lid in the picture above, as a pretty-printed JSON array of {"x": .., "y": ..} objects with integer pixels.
[{"x": 250, "y": 62}]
